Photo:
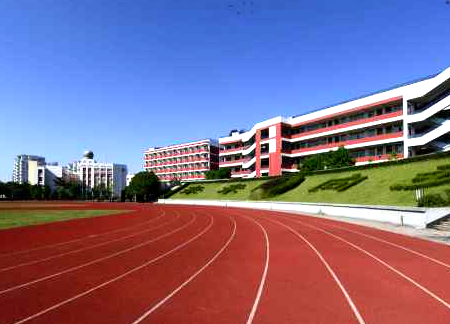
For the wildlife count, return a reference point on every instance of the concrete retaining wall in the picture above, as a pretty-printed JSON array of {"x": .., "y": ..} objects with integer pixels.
[{"x": 410, "y": 216}]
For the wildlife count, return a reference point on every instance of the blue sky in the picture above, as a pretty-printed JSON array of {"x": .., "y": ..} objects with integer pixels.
[{"x": 120, "y": 76}]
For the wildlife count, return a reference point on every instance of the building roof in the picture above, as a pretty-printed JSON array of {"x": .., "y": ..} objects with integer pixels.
[{"x": 370, "y": 94}]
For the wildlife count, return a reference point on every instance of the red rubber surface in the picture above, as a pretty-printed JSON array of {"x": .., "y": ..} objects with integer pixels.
[{"x": 185, "y": 264}]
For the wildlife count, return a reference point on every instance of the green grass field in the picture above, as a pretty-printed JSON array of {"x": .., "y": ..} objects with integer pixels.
[
  {"x": 373, "y": 191},
  {"x": 16, "y": 218}
]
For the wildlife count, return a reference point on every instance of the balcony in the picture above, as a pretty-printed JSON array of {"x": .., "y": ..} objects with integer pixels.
[
  {"x": 346, "y": 143},
  {"x": 159, "y": 157},
  {"x": 349, "y": 124},
  {"x": 241, "y": 172},
  {"x": 243, "y": 160},
  {"x": 375, "y": 158}
]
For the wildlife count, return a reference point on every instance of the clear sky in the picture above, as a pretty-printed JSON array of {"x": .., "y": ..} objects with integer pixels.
[{"x": 117, "y": 77}]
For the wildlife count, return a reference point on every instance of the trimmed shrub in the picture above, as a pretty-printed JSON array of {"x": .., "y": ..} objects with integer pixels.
[
  {"x": 232, "y": 188},
  {"x": 427, "y": 179},
  {"x": 193, "y": 190},
  {"x": 278, "y": 186},
  {"x": 433, "y": 200},
  {"x": 340, "y": 184},
  {"x": 170, "y": 193}
]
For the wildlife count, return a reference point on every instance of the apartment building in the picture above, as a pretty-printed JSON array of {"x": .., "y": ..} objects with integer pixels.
[
  {"x": 91, "y": 173},
  {"x": 29, "y": 169},
  {"x": 186, "y": 161},
  {"x": 403, "y": 121}
]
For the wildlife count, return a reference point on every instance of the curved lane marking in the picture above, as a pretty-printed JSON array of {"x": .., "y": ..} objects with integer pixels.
[
  {"x": 64, "y": 302},
  {"x": 401, "y": 274},
  {"x": 328, "y": 267},
  {"x": 5, "y": 255},
  {"x": 161, "y": 302},
  {"x": 381, "y": 240},
  {"x": 97, "y": 260},
  {"x": 87, "y": 248},
  {"x": 264, "y": 275}
]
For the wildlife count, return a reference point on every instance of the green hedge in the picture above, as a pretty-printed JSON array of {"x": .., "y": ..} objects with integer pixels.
[
  {"x": 170, "y": 193},
  {"x": 280, "y": 185},
  {"x": 232, "y": 188},
  {"x": 340, "y": 184},
  {"x": 427, "y": 179},
  {"x": 193, "y": 190}
]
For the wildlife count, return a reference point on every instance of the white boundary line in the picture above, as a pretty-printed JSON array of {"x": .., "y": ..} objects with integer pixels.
[
  {"x": 161, "y": 302},
  {"x": 264, "y": 275},
  {"x": 328, "y": 267},
  {"x": 398, "y": 272},
  {"x": 87, "y": 248},
  {"x": 118, "y": 277},
  {"x": 97, "y": 260},
  {"x": 392, "y": 244},
  {"x": 5, "y": 255}
]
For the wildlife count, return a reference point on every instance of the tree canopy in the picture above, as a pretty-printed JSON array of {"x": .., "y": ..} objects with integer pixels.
[
  {"x": 145, "y": 186},
  {"x": 222, "y": 173},
  {"x": 330, "y": 160}
]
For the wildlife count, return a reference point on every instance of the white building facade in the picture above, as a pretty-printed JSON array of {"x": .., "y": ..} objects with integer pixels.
[
  {"x": 29, "y": 169},
  {"x": 403, "y": 121},
  {"x": 91, "y": 174}
]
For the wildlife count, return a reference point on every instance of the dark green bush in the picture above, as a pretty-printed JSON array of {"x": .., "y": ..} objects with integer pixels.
[
  {"x": 170, "y": 193},
  {"x": 427, "y": 179},
  {"x": 232, "y": 188},
  {"x": 340, "y": 184},
  {"x": 444, "y": 167},
  {"x": 222, "y": 173},
  {"x": 278, "y": 186},
  {"x": 433, "y": 200},
  {"x": 193, "y": 190}
]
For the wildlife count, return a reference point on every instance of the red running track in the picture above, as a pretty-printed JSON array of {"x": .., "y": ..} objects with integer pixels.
[{"x": 184, "y": 264}]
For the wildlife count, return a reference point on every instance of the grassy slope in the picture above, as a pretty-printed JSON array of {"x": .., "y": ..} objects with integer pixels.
[
  {"x": 373, "y": 191},
  {"x": 210, "y": 191},
  {"x": 15, "y": 218}
]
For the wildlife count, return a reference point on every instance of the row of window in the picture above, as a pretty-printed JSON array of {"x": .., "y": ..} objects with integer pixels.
[
  {"x": 342, "y": 120},
  {"x": 181, "y": 151}
]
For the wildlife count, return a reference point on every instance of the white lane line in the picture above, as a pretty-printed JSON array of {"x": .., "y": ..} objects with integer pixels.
[
  {"x": 4, "y": 255},
  {"x": 64, "y": 302},
  {"x": 328, "y": 267},
  {"x": 401, "y": 274},
  {"x": 97, "y": 260},
  {"x": 263, "y": 277},
  {"x": 378, "y": 239},
  {"x": 391, "y": 244},
  {"x": 87, "y": 248},
  {"x": 161, "y": 302}
]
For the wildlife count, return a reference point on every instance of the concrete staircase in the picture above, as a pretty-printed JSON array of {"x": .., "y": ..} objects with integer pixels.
[{"x": 443, "y": 224}]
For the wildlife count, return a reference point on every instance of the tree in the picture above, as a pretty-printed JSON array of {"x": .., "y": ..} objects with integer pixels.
[
  {"x": 144, "y": 186},
  {"x": 330, "y": 160},
  {"x": 222, "y": 173}
]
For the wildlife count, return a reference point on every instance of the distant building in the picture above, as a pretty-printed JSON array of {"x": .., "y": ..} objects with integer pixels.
[
  {"x": 92, "y": 173},
  {"x": 129, "y": 177},
  {"x": 187, "y": 161},
  {"x": 29, "y": 169}
]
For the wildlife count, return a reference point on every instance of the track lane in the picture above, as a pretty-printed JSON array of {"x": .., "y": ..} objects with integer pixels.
[
  {"x": 427, "y": 275},
  {"x": 80, "y": 282},
  {"x": 299, "y": 287},
  {"x": 134, "y": 291},
  {"x": 384, "y": 295},
  {"x": 41, "y": 276},
  {"x": 432, "y": 251},
  {"x": 226, "y": 291},
  {"x": 59, "y": 245},
  {"x": 25, "y": 238},
  {"x": 94, "y": 241}
]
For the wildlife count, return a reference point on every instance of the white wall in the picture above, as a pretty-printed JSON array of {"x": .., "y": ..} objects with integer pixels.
[{"x": 412, "y": 216}]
